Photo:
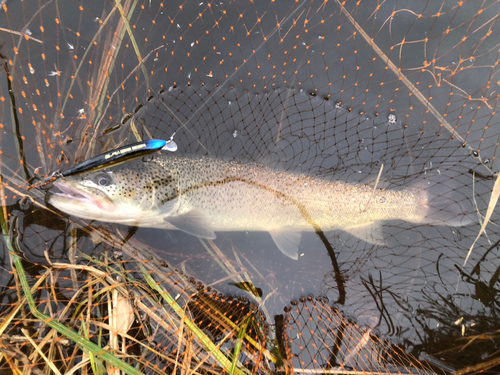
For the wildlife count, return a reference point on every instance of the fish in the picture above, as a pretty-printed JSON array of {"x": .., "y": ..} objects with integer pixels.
[{"x": 201, "y": 195}]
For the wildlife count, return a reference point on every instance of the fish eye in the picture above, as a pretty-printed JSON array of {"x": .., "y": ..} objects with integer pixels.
[{"x": 102, "y": 179}]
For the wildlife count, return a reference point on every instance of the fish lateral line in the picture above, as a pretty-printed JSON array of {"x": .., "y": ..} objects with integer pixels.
[{"x": 276, "y": 193}]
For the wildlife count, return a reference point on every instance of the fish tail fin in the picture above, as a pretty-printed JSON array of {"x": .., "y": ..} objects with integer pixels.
[{"x": 445, "y": 202}]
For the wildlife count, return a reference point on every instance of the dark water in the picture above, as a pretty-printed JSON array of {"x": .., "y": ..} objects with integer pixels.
[{"x": 294, "y": 86}]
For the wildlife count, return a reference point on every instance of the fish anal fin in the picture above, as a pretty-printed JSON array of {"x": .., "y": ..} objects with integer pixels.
[
  {"x": 369, "y": 232},
  {"x": 288, "y": 241},
  {"x": 193, "y": 222}
]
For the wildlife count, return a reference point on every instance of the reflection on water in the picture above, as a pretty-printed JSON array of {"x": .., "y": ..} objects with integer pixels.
[{"x": 309, "y": 88}]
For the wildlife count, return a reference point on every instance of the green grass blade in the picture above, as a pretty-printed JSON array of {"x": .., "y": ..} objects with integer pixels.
[
  {"x": 239, "y": 342},
  {"x": 209, "y": 345},
  {"x": 59, "y": 327}
]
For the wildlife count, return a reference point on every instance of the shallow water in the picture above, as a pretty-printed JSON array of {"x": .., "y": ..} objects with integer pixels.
[{"x": 269, "y": 87}]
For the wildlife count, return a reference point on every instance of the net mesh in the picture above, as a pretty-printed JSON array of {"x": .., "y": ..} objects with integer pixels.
[{"x": 395, "y": 92}]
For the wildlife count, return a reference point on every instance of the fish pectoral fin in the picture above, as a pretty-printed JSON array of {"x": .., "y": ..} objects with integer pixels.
[
  {"x": 369, "y": 232},
  {"x": 193, "y": 222},
  {"x": 288, "y": 241}
]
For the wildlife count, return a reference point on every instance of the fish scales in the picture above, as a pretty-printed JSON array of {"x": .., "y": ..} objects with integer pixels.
[{"x": 247, "y": 196}]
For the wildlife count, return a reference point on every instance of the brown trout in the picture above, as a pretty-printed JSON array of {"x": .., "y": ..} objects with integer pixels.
[{"x": 203, "y": 195}]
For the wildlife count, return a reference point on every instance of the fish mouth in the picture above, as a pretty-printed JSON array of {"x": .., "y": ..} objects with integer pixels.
[
  {"x": 71, "y": 193},
  {"x": 66, "y": 191}
]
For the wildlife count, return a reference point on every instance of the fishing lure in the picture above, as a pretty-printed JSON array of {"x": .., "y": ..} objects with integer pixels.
[{"x": 116, "y": 156}]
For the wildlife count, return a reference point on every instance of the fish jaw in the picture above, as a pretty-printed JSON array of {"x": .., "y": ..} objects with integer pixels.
[
  {"x": 90, "y": 203},
  {"x": 84, "y": 202}
]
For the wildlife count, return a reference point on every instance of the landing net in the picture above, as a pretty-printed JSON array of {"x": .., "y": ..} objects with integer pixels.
[{"x": 381, "y": 93}]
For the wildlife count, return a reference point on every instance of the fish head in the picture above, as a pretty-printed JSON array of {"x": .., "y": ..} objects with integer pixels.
[{"x": 139, "y": 193}]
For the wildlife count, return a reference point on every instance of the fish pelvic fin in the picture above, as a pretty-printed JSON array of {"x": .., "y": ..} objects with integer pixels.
[
  {"x": 193, "y": 222},
  {"x": 288, "y": 241}
]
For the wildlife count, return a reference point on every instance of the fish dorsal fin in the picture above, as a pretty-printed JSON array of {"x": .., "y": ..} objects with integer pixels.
[
  {"x": 369, "y": 232},
  {"x": 288, "y": 241},
  {"x": 193, "y": 222}
]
